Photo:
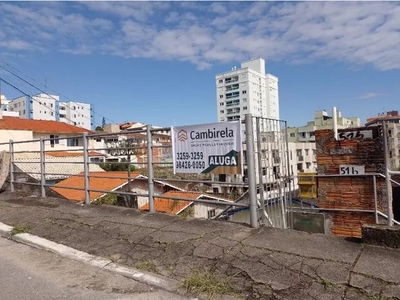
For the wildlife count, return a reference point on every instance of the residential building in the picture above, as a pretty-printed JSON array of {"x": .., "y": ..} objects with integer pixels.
[
  {"x": 105, "y": 182},
  {"x": 49, "y": 107},
  {"x": 58, "y": 135},
  {"x": 186, "y": 207},
  {"x": 59, "y": 166},
  {"x": 321, "y": 121},
  {"x": 4, "y": 107},
  {"x": 389, "y": 117},
  {"x": 247, "y": 90},
  {"x": 392, "y": 120}
]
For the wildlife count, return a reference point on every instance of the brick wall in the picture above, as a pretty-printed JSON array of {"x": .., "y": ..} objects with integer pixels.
[{"x": 349, "y": 192}]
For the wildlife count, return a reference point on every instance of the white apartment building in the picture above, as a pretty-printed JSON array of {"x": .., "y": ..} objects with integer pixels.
[
  {"x": 4, "y": 107},
  {"x": 321, "y": 121},
  {"x": 76, "y": 113},
  {"x": 247, "y": 90},
  {"x": 49, "y": 107}
]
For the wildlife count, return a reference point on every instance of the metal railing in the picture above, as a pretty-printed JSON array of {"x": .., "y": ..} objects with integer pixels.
[{"x": 33, "y": 159}]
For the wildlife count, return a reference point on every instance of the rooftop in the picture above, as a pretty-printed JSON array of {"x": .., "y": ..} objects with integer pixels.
[
  {"x": 171, "y": 206},
  {"x": 106, "y": 181},
  {"x": 15, "y": 123}
]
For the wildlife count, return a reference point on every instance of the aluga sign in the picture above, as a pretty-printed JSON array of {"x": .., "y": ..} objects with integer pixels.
[{"x": 208, "y": 148}]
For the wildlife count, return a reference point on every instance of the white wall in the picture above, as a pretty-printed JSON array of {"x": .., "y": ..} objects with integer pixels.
[{"x": 76, "y": 113}]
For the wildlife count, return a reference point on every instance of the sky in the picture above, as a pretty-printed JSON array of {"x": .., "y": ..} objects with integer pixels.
[{"x": 155, "y": 62}]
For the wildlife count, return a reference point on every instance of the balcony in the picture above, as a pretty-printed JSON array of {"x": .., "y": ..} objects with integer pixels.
[
  {"x": 233, "y": 112},
  {"x": 232, "y": 87},
  {"x": 232, "y": 103},
  {"x": 307, "y": 139},
  {"x": 232, "y": 79},
  {"x": 233, "y": 118}
]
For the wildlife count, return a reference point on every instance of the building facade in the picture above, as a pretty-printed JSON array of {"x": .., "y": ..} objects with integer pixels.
[
  {"x": 247, "y": 90},
  {"x": 321, "y": 121},
  {"x": 49, "y": 107},
  {"x": 392, "y": 120}
]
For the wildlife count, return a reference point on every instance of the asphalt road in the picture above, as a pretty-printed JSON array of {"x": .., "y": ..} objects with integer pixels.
[{"x": 30, "y": 274}]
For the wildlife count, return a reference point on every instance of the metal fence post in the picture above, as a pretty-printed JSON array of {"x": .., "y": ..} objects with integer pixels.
[
  {"x": 387, "y": 175},
  {"x": 42, "y": 168},
  {"x": 12, "y": 188},
  {"x": 150, "y": 168},
  {"x": 260, "y": 172},
  {"x": 375, "y": 200},
  {"x": 86, "y": 168},
  {"x": 251, "y": 170},
  {"x": 289, "y": 178}
]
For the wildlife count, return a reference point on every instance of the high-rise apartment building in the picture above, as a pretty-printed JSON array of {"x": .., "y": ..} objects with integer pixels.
[
  {"x": 48, "y": 107},
  {"x": 247, "y": 90}
]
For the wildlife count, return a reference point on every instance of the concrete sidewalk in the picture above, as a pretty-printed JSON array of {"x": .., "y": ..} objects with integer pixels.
[{"x": 260, "y": 263}]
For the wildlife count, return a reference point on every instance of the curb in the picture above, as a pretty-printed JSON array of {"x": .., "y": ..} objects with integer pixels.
[{"x": 96, "y": 261}]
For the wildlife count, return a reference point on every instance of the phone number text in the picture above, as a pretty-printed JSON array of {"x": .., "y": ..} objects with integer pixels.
[
  {"x": 189, "y": 155},
  {"x": 190, "y": 165}
]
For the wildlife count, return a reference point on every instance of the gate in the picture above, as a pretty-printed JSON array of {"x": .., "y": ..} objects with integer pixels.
[{"x": 268, "y": 169}]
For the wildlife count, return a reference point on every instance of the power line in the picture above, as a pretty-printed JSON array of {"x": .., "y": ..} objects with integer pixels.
[
  {"x": 30, "y": 97},
  {"x": 44, "y": 92}
]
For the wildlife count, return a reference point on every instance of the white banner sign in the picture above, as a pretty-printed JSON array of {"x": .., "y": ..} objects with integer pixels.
[{"x": 208, "y": 148}]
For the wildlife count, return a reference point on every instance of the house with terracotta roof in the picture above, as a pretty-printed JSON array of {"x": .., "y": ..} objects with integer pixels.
[
  {"x": 171, "y": 203},
  {"x": 59, "y": 135},
  {"x": 112, "y": 181}
]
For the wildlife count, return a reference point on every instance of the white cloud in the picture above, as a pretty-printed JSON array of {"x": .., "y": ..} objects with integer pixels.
[
  {"x": 371, "y": 95},
  {"x": 356, "y": 33}
]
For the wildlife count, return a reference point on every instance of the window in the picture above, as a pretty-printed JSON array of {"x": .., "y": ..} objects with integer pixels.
[
  {"x": 221, "y": 96},
  {"x": 292, "y": 134},
  {"x": 221, "y": 111},
  {"x": 74, "y": 115},
  {"x": 298, "y": 152},
  {"x": 23, "y": 112},
  {"x": 54, "y": 140},
  {"x": 244, "y": 99},
  {"x": 244, "y": 92},
  {"x": 62, "y": 116},
  {"x": 291, "y": 157},
  {"x": 73, "y": 108},
  {"x": 220, "y": 81},
  {"x": 51, "y": 104},
  {"x": 221, "y": 104},
  {"x": 72, "y": 142},
  {"x": 51, "y": 113},
  {"x": 244, "y": 107},
  {"x": 299, "y": 167},
  {"x": 306, "y": 152},
  {"x": 211, "y": 214}
]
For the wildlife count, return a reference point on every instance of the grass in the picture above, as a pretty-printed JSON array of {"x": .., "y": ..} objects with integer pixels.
[
  {"x": 326, "y": 283},
  {"x": 108, "y": 199},
  {"x": 20, "y": 229},
  {"x": 208, "y": 283},
  {"x": 147, "y": 265}
]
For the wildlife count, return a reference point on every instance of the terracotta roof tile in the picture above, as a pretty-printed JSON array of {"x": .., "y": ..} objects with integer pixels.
[
  {"x": 72, "y": 154},
  {"x": 102, "y": 181},
  {"x": 16, "y": 123},
  {"x": 171, "y": 206}
]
